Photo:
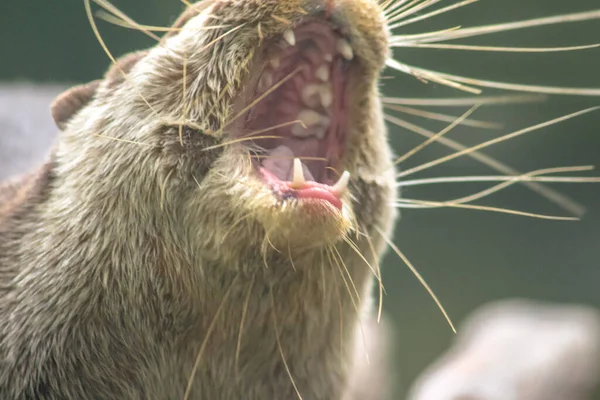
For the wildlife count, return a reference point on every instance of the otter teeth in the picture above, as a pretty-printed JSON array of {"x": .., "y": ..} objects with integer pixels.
[
  {"x": 345, "y": 49},
  {"x": 289, "y": 37},
  {"x": 314, "y": 120},
  {"x": 324, "y": 92},
  {"x": 323, "y": 73},
  {"x": 298, "y": 181},
  {"x": 342, "y": 184}
]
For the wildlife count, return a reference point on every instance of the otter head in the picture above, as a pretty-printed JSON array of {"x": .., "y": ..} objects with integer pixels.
[{"x": 252, "y": 125}]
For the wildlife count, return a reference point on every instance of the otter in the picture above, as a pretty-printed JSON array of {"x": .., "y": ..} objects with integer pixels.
[{"x": 208, "y": 223}]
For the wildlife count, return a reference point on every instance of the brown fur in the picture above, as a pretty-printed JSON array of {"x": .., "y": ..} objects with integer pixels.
[{"x": 117, "y": 256}]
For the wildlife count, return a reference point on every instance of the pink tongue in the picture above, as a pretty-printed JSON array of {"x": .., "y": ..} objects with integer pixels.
[{"x": 279, "y": 162}]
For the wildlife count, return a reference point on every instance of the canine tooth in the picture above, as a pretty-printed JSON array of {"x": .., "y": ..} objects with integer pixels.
[
  {"x": 275, "y": 62},
  {"x": 326, "y": 95},
  {"x": 298, "y": 180},
  {"x": 342, "y": 184},
  {"x": 323, "y": 72},
  {"x": 344, "y": 47},
  {"x": 289, "y": 37},
  {"x": 309, "y": 117}
]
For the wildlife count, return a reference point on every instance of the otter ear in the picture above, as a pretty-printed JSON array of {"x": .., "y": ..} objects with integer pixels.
[
  {"x": 114, "y": 76},
  {"x": 70, "y": 102},
  {"x": 67, "y": 104}
]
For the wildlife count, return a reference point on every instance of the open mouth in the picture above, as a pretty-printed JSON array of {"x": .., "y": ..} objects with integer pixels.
[{"x": 304, "y": 79}]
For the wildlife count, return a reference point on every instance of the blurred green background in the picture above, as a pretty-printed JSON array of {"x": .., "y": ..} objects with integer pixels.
[{"x": 468, "y": 257}]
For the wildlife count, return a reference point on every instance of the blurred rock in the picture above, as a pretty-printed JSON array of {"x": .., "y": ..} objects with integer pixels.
[{"x": 519, "y": 350}]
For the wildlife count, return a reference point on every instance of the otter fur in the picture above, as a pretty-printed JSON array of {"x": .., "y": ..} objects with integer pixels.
[{"x": 146, "y": 260}]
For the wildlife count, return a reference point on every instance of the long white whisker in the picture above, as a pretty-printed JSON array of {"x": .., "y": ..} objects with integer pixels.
[
  {"x": 552, "y": 195},
  {"x": 432, "y": 14},
  {"x": 443, "y": 117},
  {"x": 496, "y": 49},
  {"x": 417, "y": 275},
  {"x": 494, "y": 141},
  {"x": 466, "y": 101},
  {"x": 487, "y": 29},
  {"x": 414, "y": 203},
  {"x": 500, "y": 178},
  {"x": 436, "y": 136}
]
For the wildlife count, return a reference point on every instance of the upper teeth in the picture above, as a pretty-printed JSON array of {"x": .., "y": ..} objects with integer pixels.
[
  {"x": 344, "y": 47},
  {"x": 313, "y": 85},
  {"x": 289, "y": 37}
]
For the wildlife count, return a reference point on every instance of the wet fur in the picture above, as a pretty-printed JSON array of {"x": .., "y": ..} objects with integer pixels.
[{"x": 115, "y": 257}]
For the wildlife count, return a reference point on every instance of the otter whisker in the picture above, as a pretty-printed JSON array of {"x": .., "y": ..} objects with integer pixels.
[
  {"x": 426, "y": 75},
  {"x": 88, "y": 10},
  {"x": 497, "y": 48},
  {"x": 260, "y": 98},
  {"x": 400, "y": 8},
  {"x": 124, "y": 140},
  {"x": 342, "y": 264},
  {"x": 268, "y": 156},
  {"x": 354, "y": 247},
  {"x": 443, "y": 117},
  {"x": 340, "y": 260},
  {"x": 241, "y": 330},
  {"x": 147, "y": 29},
  {"x": 416, "y": 9},
  {"x": 508, "y": 26},
  {"x": 436, "y": 136},
  {"x": 211, "y": 327},
  {"x": 465, "y": 101},
  {"x": 495, "y": 141},
  {"x": 503, "y": 185},
  {"x": 456, "y": 80},
  {"x": 550, "y": 194},
  {"x": 163, "y": 187},
  {"x": 417, "y": 275},
  {"x": 250, "y": 135},
  {"x": 185, "y": 110},
  {"x": 239, "y": 140},
  {"x": 120, "y": 18},
  {"x": 378, "y": 267},
  {"x": 285, "y": 364},
  {"x": 412, "y": 203},
  {"x": 290, "y": 256},
  {"x": 432, "y": 14},
  {"x": 525, "y": 177}
]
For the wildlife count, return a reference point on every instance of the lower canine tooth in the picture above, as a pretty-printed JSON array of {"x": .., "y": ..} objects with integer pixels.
[
  {"x": 342, "y": 184},
  {"x": 298, "y": 180}
]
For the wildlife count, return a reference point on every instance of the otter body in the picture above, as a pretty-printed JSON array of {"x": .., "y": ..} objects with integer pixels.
[{"x": 148, "y": 258}]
